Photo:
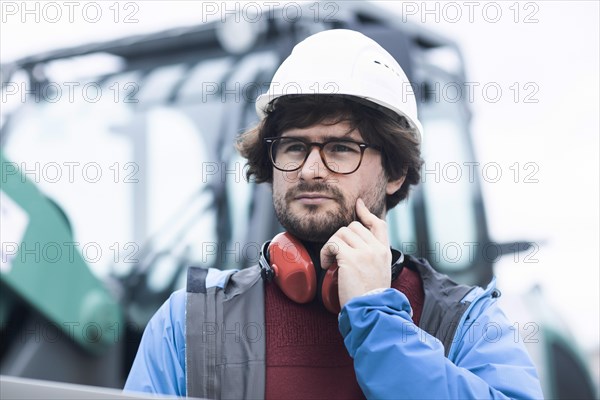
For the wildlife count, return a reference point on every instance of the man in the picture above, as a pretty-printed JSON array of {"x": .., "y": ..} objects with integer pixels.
[{"x": 339, "y": 142}]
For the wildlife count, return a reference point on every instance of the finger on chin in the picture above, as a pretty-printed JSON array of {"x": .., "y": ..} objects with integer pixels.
[
  {"x": 373, "y": 223},
  {"x": 363, "y": 213}
]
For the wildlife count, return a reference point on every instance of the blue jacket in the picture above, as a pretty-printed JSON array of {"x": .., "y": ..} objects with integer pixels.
[{"x": 393, "y": 358}]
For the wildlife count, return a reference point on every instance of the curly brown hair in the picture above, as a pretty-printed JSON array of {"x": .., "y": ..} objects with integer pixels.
[{"x": 399, "y": 143}]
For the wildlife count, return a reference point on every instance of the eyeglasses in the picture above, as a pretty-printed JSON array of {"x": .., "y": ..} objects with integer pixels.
[{"x": 342, "y": 156}]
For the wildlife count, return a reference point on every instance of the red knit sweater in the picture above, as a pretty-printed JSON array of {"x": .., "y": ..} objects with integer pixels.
[{"x": 306, "y": 356}]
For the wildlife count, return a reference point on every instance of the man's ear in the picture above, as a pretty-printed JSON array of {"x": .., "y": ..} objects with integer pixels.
[{"x": 393, "y": 185}]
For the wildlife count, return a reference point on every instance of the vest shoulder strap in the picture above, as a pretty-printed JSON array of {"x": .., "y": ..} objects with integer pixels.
[
  {"x": 225, "y": 336},
  {"x": 443, "y": 306}
]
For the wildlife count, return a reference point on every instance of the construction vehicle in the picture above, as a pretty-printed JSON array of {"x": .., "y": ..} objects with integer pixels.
[{"x": 149, "y": 178}]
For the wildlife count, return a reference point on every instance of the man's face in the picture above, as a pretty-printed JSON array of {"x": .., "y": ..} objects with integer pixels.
[{"x": 312, "y": 203}]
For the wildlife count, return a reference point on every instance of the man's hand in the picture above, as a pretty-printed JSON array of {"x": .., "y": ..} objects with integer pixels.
[{"x": 362, "y": 253}]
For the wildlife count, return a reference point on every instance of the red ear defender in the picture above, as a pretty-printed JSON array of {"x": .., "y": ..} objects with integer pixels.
[{"x": 294, "y": 270}]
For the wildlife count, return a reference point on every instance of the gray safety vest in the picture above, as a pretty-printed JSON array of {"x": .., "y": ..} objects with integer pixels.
[{"x": 225, "y": 328}]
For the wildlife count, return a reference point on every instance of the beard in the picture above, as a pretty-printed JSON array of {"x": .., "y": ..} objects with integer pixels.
[{"x": 316, "y": 225}]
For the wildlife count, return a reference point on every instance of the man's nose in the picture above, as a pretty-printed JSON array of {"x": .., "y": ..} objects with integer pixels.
[{"x": 313, "y": 167}]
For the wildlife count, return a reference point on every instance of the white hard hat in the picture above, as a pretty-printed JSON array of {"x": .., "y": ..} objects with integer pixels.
[{"x": 344, "y": 62}]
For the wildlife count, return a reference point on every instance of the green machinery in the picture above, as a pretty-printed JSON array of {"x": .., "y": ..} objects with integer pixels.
[{"x": 58, "y": 320}]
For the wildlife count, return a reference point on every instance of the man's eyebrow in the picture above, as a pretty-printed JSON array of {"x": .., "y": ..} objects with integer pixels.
[
  {"x": 323, "y": 139},
  {"x": 346, "y": 136}
]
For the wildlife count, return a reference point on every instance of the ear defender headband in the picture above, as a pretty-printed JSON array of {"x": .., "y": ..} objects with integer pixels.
[{"x": 286, "y": 261}]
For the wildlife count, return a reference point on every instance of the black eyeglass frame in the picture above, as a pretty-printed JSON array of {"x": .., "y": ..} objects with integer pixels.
[{"x": 363, "y": 146}]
